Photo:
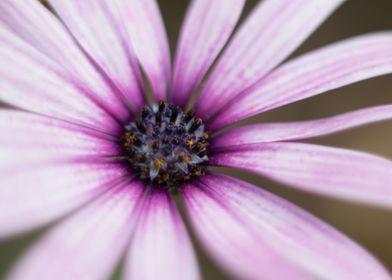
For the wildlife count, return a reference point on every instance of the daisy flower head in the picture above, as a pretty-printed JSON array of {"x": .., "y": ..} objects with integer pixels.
[{"x": 83, "y": 148}]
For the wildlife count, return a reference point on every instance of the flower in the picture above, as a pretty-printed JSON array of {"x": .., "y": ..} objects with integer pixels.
[{"x": 85, "y": 147}]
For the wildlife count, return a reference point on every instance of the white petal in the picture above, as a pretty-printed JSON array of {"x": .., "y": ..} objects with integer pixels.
[
  {"x": 32, "y": 81},
  {"x": 143, "y": 29},
  {"x": 93, "y": 27},
  {"x": 272, "y": 132},
  {"x": 206, "y": 28},
  {"x": 161, "y": 247},
  {"x": 317, "y": 72},
  {"x": 269, "y": 35},
  {"x": 329, "y": 171},
  {"x": 233, "y": 216},
  {"x": 89, "y": 244},
  {"x": 39, "y": 28},
  {"x": 47, "y": 169}
]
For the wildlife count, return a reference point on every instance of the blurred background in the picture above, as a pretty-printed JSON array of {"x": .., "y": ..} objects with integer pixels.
[{"x": 369, "y": 226}]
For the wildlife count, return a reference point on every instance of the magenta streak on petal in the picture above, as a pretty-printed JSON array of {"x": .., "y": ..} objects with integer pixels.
[
  {"x": 143, "y": 30},
  {"x": 270, "y": 34},
  {"x": 25, "y": 134},
  {"x": 314, "y": 73},
  {"x": 87, "y": 245},
  {"x": 233, "y": 243},
  {"x": 328, "y": 171},
  {"x": 45, "y": 172},
  {"x": 35, "y": 25},
  {"x": 288, "y": 131},
  {"x": 207, "y": 26},
  {"x": 161, "y": 247},
  {"x": 44, "y": 90},
  {"x": 35, "y": 196},
  {"x": 285, "y": 229},
  {"x": 92, "y": 26}
]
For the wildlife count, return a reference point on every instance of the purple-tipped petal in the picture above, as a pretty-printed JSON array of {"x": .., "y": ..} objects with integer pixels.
[
  {"x": 230, "y": 216},
  {"x": 328, "y": 171},
  {"x": 34, "y": 24},
  {"x": 47, "y": 169},
  {"x": 207, "y": 26},
  {"x": 317, "y": 72},
  {"x": 32, "y": 81},
  {"x": 89, "y": 244},
  {"x": 273, "y": 132},
  {"x": 270, "y": 34},
  {"x": 99, "y": 33},
  {"x": 161, "y": 247},
  {"x": 143, "y": 28}
]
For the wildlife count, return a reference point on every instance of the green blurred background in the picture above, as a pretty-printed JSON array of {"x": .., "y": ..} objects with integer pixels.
[{"x": 369, "y": 226}]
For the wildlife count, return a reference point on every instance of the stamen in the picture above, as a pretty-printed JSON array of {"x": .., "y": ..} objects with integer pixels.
[{"x": 166, "y": 146}]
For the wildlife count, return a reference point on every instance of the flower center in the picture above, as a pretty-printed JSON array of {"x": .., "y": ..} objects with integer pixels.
[{"x": 166, "y": 146}]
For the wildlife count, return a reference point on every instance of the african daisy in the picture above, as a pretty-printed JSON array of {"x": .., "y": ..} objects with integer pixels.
[{"x": 84, "y": 145}]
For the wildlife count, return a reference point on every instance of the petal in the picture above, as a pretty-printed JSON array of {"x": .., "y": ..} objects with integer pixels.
[
  {"x": 270, "y": 34},
  {"x": 34, "y": 197},
  {"x": 36, "y": 138},
  {"x": 206, "y": 28},
  {"x": 47, "y": 169},
  {"x": 232, "y": 244},
  {"x": 92, "y": 26},
  {"x": 222, "y": 205},
  {"x": 272, "y": 132},
  {"x": 161, "y": 248},
  {"x": 143, "y": 28},
  {"x": 39, "y": 28},
  {"x": 32, "y": 81},
  {"x": 319, "y": 71},
  {"x": 329, "y": 171},
  {"x": 89, "y": 244}
]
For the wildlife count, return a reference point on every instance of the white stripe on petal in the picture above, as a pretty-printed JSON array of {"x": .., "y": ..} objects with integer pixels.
[
  {"x": 32, "y": 81},
  {"x": 39, "y": 28},
  {"x": 270, "y": 34},
  {"x": 87, "y": 245},
  {"x": 161, "y": 247},
  {"x": 48, "y": 168},
  {"x": 143, "y": 29},
  {"x": 92, "y": 26},
  {"x": 207, "y": 26},
  {"x": 231, "y": 243},
  {"x": 222, "y": 207},
  {"x": 314, "y": 73},
  {"x": 273, "y": 132},
  {"x": 329, "y": 171}
]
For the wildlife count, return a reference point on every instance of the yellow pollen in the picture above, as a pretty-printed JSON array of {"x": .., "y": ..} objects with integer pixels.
[
  {"x": 164, "y": 145},
  {"x": 158, "y": 164},
  {"x": 185, "y": 159},
  {"x": 189, "y": 143},
  {"x": 129, "y": 138}
]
